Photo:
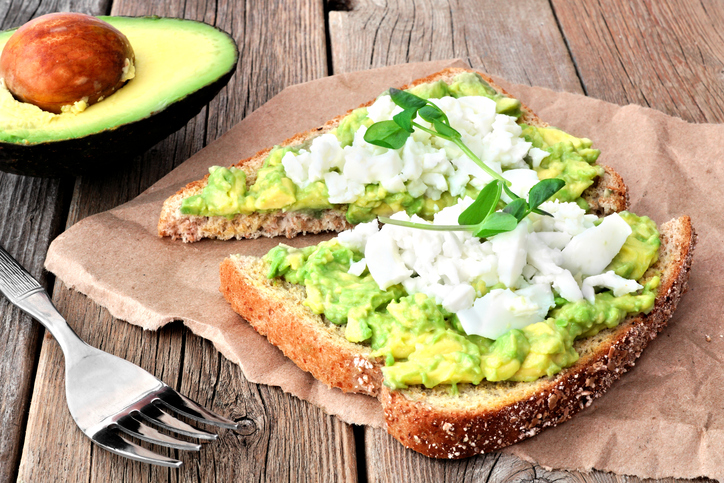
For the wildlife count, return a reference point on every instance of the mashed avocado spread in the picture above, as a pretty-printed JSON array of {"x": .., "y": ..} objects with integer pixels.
[
  {"x": 227, "y": 193},
  {"x": 422, "y": 344}
]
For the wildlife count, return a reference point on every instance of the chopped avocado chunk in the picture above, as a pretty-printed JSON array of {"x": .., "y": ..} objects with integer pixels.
[
  {"x": 582, "y": 319},
  {"x": 430, "y": 207},
  {"x": 471, "y": 84},
  {"x": 222, "y": 195},
  {"x": 226, "y": 192},
  {"x": 276, "y": 196},
  {"x": 423, "y": 344},
  {"x": 276, "y": 155},
  {"x": 641, "y": 249},
  {"x": 323, "y": 271},
  {"x": 350, "y": 124},
  {"x": 571, "y": 159},
  {"x": 506, "y": 356},
  {"x": 313, "y": 197},
  {"x": 508, "y": 106},
  {"x": 376, "y": 201}
]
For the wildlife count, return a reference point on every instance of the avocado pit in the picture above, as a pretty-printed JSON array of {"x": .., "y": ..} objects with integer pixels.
[{"x": 66, "y": 61}]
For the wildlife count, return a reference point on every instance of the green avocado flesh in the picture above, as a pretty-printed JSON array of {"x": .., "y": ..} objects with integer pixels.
[
  {"x": 571, "y": 159},
  {"x": 174, "y": 58},
  {"x": 423, "y": 344}
]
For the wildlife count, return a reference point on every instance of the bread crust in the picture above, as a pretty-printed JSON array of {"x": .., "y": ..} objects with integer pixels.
[
  {"x": 481, "y": 418},
  {"x": 190, "y": 228}
]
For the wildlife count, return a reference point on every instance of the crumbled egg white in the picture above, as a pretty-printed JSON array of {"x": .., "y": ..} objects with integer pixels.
[
  {"x": 425, "y": 165},
  {"x": 521, "y": 181},
  {"x": 510, "y": 250},
  {"x": 617, "y": 283},
  {"x": 542, "y": 255},
  {"x": 565, "y": 253},
  {"x": 501, "y": 310},
  {"x": 588, "y": 251}
]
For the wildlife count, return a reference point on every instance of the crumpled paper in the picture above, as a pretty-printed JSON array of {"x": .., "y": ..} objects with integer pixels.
[{"x": 662, "y": 419}]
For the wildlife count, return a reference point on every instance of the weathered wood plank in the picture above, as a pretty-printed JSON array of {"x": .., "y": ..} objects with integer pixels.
[
  {"x": 666, "y": 55},
  {"x": 31, "y": 212},
  {"x": 281, "y": 438},
  {"x": 517, "y": 40},
  {"x": 389, "y": 461}
]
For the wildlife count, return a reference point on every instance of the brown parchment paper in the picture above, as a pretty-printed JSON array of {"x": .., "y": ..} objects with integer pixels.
[{"x": 662, "y": 419}]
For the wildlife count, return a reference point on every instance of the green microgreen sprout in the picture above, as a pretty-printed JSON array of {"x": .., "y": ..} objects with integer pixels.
[
  {"x": 393, "y": 134},
  {"x": 481, "y": 217}
]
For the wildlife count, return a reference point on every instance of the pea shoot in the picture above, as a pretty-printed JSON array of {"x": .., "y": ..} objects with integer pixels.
[{"x": 481, "y": 217}]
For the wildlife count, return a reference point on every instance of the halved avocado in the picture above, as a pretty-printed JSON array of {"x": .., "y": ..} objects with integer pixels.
[{"x": 180, "y": 66}]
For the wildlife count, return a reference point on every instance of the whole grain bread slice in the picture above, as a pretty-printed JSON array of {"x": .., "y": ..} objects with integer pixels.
[
  {"x": 607, "y": 195},
  {"x": 480, "y": 418}
]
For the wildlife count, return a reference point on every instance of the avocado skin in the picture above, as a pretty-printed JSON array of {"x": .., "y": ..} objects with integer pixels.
[{"x": 108, "y": 150}]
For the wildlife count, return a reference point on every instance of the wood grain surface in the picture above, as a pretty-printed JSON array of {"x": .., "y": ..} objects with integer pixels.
[
  {"x": 25, "y": 232},
  {"x": 667, "y": 55},
  {"x": 369, "y": 34},
  {"x": 32, "y": 213}
]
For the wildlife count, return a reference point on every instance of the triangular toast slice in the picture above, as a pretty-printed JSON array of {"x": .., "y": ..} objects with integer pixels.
[{"x": 606, "y": 195}]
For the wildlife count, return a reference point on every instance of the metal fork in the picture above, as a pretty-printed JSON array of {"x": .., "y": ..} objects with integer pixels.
[{"x": 105, "y": 392}]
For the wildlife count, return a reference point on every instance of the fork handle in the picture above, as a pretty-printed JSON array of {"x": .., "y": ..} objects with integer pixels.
[{"x": 24, "y": 291}]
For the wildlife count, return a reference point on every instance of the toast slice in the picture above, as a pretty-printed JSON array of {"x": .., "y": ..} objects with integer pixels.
[
  {"x": 481, "y": 418},
  {"x": 190, "y": 228}
]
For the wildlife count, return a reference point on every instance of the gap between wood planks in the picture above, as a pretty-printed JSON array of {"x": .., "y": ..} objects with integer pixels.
[{"x": 568, "y": 47}]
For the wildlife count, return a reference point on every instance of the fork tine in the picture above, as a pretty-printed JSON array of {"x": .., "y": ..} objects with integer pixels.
[
  {"x": 166, "y": 421},
  {"x": 187, "y": 407},
  {"x": 114, "y": 443},
  {"x": 134, "y": 427}
]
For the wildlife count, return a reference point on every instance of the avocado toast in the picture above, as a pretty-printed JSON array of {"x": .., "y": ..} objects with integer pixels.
[
  {"x": 266, "y": 214},
  {"x": 463, "y": 419},
  {"x": 449, "y": 402}
]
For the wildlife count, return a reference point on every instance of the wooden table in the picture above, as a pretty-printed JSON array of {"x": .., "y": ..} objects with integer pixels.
[{"x": 666, "y": 55}]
